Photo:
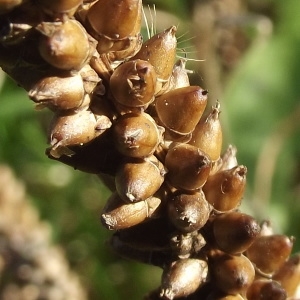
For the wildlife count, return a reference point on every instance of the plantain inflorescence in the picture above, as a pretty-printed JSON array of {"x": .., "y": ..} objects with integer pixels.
[{"x": 124, "y": 109}]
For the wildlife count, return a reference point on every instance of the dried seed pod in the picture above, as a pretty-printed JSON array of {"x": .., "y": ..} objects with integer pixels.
[
  {"x": 289, "y": 275},
  {"x": 224, "y": 190},
  {"x": 133, "y": 83},
  {"x": 160, "y": 52},
  {"x": 186, "y": 245},
  {"x": 180, "y": 110},
  {"x": 208, "y": 134},
  {"x": 275, "y": 248},
  {"x": 266, "y": 290},
  {"x": 114, "y": 23},
  {"x": 61, "y": 92},
  {"x": 70, "y": 129},
  {"x": 232, "y": 274},
  {"x": 59, "y": 8},
  {"x": 136, "y": 135},
  {"x": 188, "y": 212},
  {"x": 188, "y": 167},
  {"x": 117, "y": 215},
  {"x": 234, "y": 232},
  {"x": 138, "y": 179},
  {"x": 64, "y": 45},
  {"x": 183, "y": 277}
]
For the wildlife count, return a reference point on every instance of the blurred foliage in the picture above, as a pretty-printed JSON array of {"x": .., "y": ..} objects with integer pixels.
[{"x": 259, "y": 94}]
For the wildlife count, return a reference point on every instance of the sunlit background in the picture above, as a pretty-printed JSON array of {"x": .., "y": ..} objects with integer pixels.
[{"x": 251, "y": 64}]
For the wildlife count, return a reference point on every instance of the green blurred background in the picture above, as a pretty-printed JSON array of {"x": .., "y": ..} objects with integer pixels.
[{"x": 251, "y": 65}]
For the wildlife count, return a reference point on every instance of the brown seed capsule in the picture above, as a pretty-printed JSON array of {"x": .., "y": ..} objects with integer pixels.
[
  {"x": 232, "y": 274},
  {"x": 183, "y": 277},
  {"x": 266, "y": 290},
  {"x": 69, "y": 129},
  {"x": 188, "y": 167},
  {"x": 64, "y": 45},
  {"x": 138, "y": 179},
  {"x": 136, "y": 135},
  {"x": 224, "y": 190},
  {"x": 180, "y": 110},
  {"x": 113, "y": 23},
  {"x": 275, "y": 249},
  {"x": 117, "y": 215},
  {"x": 133, "y": 83},
  {"x": 160, "y": 52},
  {"x": 289, "y": 275},
  {"x": 59, "y": 8},
  {"x": 188, "y": 212},
  {"x": 208, "y": 134},
  {"x": 234, "y": 232},
  {"x": 58, "y": 92}
]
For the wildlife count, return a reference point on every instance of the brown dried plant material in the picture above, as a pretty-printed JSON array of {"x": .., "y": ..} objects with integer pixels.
[
  {"x": 62, "y": 92},
  {"x": 124, "y": 111},
  {"x": 183, "y": 277},
  {"x": 180, "y": 110},
  {"x": 137, "y": 180},
  {"x": 133, "y": 83},
  {"x": 208, "y": 134},
  {"x": 188, "y": 212},
  {"x": 289, "y": 275},
  {"x": 31, "y": 266},
  {"x": 266, "y": 289},
  {"x": 136, "y": 135},
  {"x": 75, "y": 128},
  {"x": 232, "y": 274},
  {"x": 188, "y": 167},
  {"x": 118, "y": 215},
  {"x": 234, "y": 232},
  {"x": 160, "y": 52},
  {"x": 116, "y": 25},
  {"x": 224, "y": 190},
  {"x": 64, "y": 45},
  {"x": 276, "y": 249}
]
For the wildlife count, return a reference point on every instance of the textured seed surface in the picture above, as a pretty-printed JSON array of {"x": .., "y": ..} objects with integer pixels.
[{"x": 123, "y": 109}]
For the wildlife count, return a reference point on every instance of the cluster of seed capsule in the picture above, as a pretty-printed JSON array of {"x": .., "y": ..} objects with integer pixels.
[{"x": 124, "y": 109}]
